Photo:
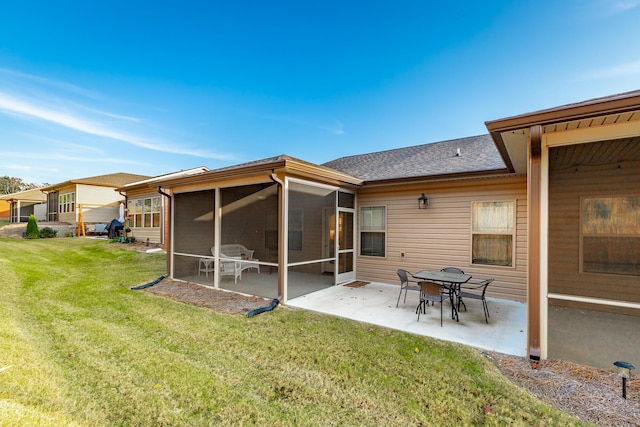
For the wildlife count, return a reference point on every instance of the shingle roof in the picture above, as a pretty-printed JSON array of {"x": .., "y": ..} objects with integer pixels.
[
  {"x": 477, "y": 154},
  {"x": 110, "y": 180}
]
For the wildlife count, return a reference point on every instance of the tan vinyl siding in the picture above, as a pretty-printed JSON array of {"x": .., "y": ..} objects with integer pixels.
[
  {"x": 99, "y": 204},
  {"x": 440, "y": 235},
  {"x": 142, "y": 234},
  {"x": 590, "y": 176}
]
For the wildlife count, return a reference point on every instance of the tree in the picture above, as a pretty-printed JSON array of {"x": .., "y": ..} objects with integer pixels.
[
  {"x": 10, "y": 185},
  {"x": 32, "y": 228}
]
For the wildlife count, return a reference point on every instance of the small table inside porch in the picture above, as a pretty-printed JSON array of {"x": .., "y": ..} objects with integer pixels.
[{"x": 444, "y": 277}]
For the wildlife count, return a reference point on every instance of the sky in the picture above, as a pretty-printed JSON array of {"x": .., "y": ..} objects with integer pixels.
[{"x": 154, "y": 87}]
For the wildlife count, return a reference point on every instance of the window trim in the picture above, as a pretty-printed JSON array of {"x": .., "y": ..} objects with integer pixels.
[
  {"x": 67, "y": 202},
  {"x": 513, "y": 233},
  {"x": 143, "y": 212},
  {"x": 384, "y": 231}
]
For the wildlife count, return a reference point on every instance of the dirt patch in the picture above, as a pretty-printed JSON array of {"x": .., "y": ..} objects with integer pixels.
[
  {"x": 214, "y": 299},
  {"x": 140, "y": 246}
]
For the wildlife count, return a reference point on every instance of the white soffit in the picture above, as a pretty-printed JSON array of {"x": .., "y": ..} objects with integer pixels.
[{"x": 516, "y": 141}]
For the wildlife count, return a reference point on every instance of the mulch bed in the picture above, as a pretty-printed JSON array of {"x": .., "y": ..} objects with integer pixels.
[
  {"x": 592, "y": 394},
  {"x": 202, "y": 296}
]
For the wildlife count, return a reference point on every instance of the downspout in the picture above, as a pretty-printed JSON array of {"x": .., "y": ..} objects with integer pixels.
[
  {"x": 281, "y": 265},
  {"x": 165, "y": 228},
  {"x": 126, "y": 207}
]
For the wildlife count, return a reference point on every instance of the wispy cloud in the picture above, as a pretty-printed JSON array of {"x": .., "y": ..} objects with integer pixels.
[
  {"x": 623, "y": 6},
  {"x": 21, "y": 107},
  {"x": 16, "y": 106},
  {"x": 67, "y": 87},
  {"x": 600, "y": 9},
  {"x": 36, "y": 98},
  {"x": 615, "y": 71},
  {"x": 338, "y": 129}
]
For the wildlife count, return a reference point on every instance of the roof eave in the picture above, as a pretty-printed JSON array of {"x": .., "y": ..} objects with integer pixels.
[
  {"x": 282, "y": 164},
  {"x": 592, "y": 108}
]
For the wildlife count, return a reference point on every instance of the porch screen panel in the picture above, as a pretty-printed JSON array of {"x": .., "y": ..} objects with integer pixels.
[
  {"x": 249, "y": 233},
  {"x": 346, "y": 200},
  {"x": 306, "y": 234},
  {"x": 193, "y": 233},
  {"x": 310, "y": 212}
]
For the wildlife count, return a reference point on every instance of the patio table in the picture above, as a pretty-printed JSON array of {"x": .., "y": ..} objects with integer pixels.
[{"x": 455, "y": 279}]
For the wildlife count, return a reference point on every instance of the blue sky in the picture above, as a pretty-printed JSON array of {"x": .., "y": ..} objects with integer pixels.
[{"x": 153, "y": 87}]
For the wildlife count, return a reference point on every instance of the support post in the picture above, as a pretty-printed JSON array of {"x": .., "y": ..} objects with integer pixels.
[{"x": 534, "y": 176}]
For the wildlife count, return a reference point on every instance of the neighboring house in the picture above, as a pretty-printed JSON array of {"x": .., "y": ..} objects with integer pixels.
[
  {"x": 147, "y": 209},
  {"x": 547, "y": 204},
  {"x": 25, "y": 203},
  {"x": 93, "y": 200},
  {"x": 5, "y": 209}
]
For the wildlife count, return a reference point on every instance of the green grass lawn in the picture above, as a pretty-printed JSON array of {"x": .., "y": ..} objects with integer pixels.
[{"x": 78, "y": 347}]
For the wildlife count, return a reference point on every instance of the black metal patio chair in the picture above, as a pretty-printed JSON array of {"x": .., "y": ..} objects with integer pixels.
[
  {"x": 449, "y": 286},
  {"x": 430, "y": 291},
  {"x": 475, "y": 291},
  {"x": 405, "y": 284}
]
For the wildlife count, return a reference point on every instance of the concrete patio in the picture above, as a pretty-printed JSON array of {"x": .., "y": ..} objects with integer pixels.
[{"x": 375, "y": 303}]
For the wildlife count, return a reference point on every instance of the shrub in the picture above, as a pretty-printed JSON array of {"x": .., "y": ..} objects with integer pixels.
[
  {"x": 48, "y": 232},
  {"x": 32, "y": 228}
]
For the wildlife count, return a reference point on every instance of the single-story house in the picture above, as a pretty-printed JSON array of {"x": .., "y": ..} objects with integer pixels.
[
  {"x": 91, "y": 200},
  {"x": 25, "y": 203},
  {"x": 547, "y": 204}
]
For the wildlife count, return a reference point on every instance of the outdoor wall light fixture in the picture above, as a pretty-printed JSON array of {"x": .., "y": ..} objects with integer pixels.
[
  {"x": 423, "y": 202},
  {"x": 624, "y": 371}
]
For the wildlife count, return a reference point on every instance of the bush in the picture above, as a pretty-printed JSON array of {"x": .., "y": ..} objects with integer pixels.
[
  {"x": 48, "y": 232},
  {"x": 32, "y": 228}
]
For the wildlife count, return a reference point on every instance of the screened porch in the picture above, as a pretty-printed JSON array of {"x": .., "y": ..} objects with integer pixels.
[{"x": 245, "y": 249}]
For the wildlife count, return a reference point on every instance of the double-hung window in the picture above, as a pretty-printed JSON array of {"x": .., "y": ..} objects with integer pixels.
[
  {"x": 373, "y": 231},
  {"x": 493, "y": 232}
]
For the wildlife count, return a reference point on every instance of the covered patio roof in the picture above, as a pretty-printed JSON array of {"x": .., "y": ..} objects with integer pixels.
[{"x": 511, "y": 134}]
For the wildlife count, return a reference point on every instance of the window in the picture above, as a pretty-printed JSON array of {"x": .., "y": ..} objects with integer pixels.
[
  {"x": 67, "y": 202},
  {"x": 610, "y": 229},
  {"x": 145, "y": 213},
  {"x": 373, "y": 231},
  {"x": 492, "y": 229}
]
